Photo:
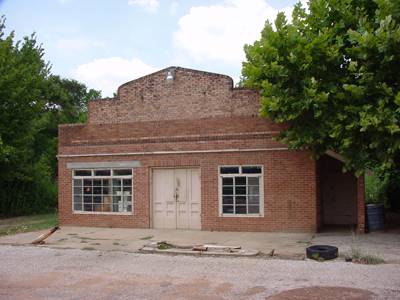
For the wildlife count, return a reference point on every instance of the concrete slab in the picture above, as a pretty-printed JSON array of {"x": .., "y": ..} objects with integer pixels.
[{"x": 287, "y": 245}]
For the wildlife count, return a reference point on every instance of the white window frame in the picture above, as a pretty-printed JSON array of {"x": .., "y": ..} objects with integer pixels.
[
  {"x": 240, "y": 174},
  {"x": 111, "y": 177}
]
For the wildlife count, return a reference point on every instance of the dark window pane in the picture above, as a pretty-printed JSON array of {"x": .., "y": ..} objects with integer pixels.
[
  {"x": 87, "y": 190},
  {"x": 254, "y": 190},
  {"x": 227, "y": 209},
  {"x": 123, "y": 172},
  {"x": 227, "y": 190},
  {"x": 97, "y": 207},
  {"x": 227, "y": 200},
  {"x": 87, "y": 182},
  {"x": 240, "y": 200},
  {"x": 254, "y": 209},
  {"x": 117, "y": 182},
  {"x": 106, "y": 190},
  {"x": 83, "y": 173},
  {"x": 97, "y": 182},
  {"x": 240, "y": 180},
  {"x": 240, "y": 190},
  {"x": 254, "y": 200},
  {"x": 88, "y": 207},
  {"x": 127, "y": 182},
  {"x": 97, "y": 190},
  {"x": 253, "y": 180},
  {"x": 227, "y": 181},
  {"x": 102, "y": 172},
  {"x": 87, "y": 199},
  {"x": 77, "y": 182},
  {"x": 127, "y": 190},
  {"x": 229, "y": 170},
  {"x": 97, "y": 199},
  {"x": 241, "y": 210},
  {"x": 106, "y": 182},
  {"x": 252, "y": 170}
]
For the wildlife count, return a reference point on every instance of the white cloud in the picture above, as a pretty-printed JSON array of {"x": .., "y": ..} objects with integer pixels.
[
  {"x": 77, "y": 45},
  {"x": 219, "y": 32},
  {"x": 149, "y": 5},
  {"x": 107, "y": 74}
]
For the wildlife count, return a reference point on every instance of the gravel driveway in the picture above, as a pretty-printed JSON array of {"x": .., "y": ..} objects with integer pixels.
[{"x": 28, "y": 272}]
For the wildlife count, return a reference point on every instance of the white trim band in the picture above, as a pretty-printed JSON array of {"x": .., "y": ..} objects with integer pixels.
[
  {"x": 172, "y": 152},
  {"x": 104, "y": 165}
]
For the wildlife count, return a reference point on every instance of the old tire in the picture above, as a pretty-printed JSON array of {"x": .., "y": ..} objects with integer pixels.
[{"x": 324, "y": 252}]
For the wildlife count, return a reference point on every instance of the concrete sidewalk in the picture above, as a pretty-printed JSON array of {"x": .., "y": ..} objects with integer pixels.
[{"x": 285, "y": 245}]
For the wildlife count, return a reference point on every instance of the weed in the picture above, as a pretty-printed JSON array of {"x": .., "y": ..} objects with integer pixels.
[
  {"x": 357, "y": 256},
  {"x": 163, "y": 246}
]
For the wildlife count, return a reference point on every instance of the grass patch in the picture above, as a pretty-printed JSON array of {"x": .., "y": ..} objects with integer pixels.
[
  {"x": 16, "y": 225},
  {"x": 357, "y": 256},
  {"x": 147, "y": 237}
]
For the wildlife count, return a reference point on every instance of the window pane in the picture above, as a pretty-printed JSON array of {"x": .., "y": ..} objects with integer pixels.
[
  {"x": 87, "y": 190},
  {"x": 227, "y": 200},
  {"x": 254, "y": 209},
  {"x": 252, "y": 170},
  {"x": 254, "y": 190},
  {"x": 78, "y": 202},
  {"x": 88, "y": 207},
  {"x": 254, "y": 200},
  {"x": 229, "y": 170},
  {"x": 240, "y": 200},
  {"x": 102, "y": 172},
  {"x": 127, "y": 182},
  {"x": 227, "y": 181},
  {"x": 77, "y": 190},
  {"x": 227, "y": 190},
  {"x": 240, "y": 190},
  {"x": 78, "y": 206},
  {"x": 97, "y": 207},
  {"x": 77, "y": 182},
  {"x": 122, "y": 172},
  {"x": 241, "y": 210},
  {"x": 87, "y": 182},
  {"x": 83, "y": 172},
  {"x": 117, "y": 182},
  {"x": 97, "y": 182},
  {"x": 253, "y": 180},
  {"x": 240, "y": 181},
  {"x": 227, "y": 209}
]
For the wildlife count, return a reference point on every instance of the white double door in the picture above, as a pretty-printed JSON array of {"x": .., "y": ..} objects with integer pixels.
[{"x": 176, "y": 198}]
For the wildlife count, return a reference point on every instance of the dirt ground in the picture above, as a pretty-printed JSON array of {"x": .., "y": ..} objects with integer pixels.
[{"x": 28, "y": 272}]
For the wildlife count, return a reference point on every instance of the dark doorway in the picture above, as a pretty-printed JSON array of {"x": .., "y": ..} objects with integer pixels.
[{"x": 338, "y": 194}]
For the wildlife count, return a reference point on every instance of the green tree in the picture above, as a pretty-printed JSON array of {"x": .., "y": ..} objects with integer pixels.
[
  {"x": 32, "y": 104},
  {"x": 332, "y": 77}
]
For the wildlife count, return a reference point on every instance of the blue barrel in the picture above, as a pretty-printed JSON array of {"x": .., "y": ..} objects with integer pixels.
[{"x": 375, "y": 217}]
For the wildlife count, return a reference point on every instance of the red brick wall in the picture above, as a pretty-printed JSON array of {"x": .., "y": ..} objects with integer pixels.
[
  {"x": 191, "y": 95},
  {"x": 289, "y": 191}
]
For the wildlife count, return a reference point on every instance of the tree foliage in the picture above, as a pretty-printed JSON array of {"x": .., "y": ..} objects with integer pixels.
[
  {"x": 32, "y": 104},
  {"x": 332, "y": 75}
]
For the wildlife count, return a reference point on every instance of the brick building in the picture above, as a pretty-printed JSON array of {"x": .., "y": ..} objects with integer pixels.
[{"x": 184, "y": 149}]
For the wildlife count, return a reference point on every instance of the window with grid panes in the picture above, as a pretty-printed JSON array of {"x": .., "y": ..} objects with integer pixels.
[
  {"x": 102, "y": 191},
  {"x": 240, "y": 190}
]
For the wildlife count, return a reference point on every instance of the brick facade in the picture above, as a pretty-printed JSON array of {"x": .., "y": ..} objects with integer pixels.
[{"x": 197, "y": 120}]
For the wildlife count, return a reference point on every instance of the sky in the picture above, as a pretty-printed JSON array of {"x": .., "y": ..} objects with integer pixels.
[{"x": 105, "y": 43}]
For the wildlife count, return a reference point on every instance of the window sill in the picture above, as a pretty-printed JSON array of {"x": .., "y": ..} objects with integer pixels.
[
  {"x": 241, "y": 216},
  {"x": 102, "y": 213}
]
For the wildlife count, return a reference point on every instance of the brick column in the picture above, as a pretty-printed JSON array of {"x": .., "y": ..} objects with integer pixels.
[{"x": 360, "y": 205}]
